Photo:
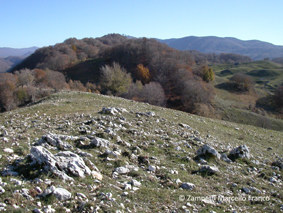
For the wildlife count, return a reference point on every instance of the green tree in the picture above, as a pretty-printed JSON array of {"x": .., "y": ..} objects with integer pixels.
[
  {"x": 207, "y": 74},
  {"x": 115, "y": 79}
]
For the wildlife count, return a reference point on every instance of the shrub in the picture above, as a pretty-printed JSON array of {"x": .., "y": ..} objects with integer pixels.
[
  {"x": 196, "y": 92},
  {"x": 115, "y": 79},
  {"x": 241, "y": 82},
  {"x": 76, "y": 85},
  {"x": 278, "y": 97}
]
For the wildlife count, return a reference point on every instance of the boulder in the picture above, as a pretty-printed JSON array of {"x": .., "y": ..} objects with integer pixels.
[
  {"x": 62, "y": 194},
  {"x": 61, "y": 164},
  {"x": 240, "y": 152},
  {"x": 207, "y": 151}
]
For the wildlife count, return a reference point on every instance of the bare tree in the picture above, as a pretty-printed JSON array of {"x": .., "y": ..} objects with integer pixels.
[{"x": 153, "y": 93}]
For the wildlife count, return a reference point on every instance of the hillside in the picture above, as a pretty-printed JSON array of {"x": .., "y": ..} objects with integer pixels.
[
  {"x": 257, "y": 50},
  {"x": 66, "y": 154}
]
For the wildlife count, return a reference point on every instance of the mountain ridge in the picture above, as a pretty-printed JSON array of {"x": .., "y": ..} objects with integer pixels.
[{"x": 255, "y": 49}]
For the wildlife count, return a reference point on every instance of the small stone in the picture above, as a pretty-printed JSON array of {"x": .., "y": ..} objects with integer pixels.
[
  {"x": 2, "y": 190},
  {"x": 246, "y": 190}
]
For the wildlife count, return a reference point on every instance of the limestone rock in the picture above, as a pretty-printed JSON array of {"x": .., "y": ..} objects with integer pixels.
[
  {"x": 62, "y": 194},
  {"x": 240, "y": 152},
  {"x": 61, "y": 164},
  {"x": 208, "y": 151}
]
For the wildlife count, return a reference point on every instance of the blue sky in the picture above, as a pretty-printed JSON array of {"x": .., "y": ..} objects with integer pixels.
[{"x": 26, "y": 23}]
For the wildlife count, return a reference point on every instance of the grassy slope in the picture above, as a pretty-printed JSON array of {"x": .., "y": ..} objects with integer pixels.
[
  {"x": 237, "y": 107},
  {"x": 268, "y": 74},
  {"x": 154, "y": 195}
]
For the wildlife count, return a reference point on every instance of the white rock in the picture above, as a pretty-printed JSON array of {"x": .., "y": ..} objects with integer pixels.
[
  {"x": 127, "y": 186},
  {"x": 136, "y": 183},
  {"x": 2, "y": 190},
  {"x": 122, "y": 170},
  {"x": 8, "y": 150}
]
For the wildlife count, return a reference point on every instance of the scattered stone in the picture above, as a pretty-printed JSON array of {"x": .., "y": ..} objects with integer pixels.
[
  {"x": 185, "y": 126},
  {"x": 56, "y": 141},
  {"x": 188, "y": 186},
  {"x": 246, "y": 190}
]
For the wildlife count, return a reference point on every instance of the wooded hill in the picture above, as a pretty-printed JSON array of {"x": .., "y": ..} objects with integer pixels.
[{"x": 149, "y": 71}]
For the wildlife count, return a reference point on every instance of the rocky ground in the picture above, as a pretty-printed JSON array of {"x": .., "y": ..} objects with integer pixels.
[{"x": 82, "y": 152}]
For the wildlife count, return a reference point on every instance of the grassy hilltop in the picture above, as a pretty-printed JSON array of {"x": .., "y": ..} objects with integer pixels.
[{"x": 157, "y": 148}]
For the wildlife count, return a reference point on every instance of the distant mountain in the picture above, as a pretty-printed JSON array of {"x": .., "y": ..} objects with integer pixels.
[
  {"x": 10, "y": 57},
  {"x": 255, "y": 49},
  {"x": 4, "y": 65},
  {"x": 22, "y": 52}
]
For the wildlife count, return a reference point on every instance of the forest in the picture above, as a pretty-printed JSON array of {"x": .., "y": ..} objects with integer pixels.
[{"x": 139, "y": 69}]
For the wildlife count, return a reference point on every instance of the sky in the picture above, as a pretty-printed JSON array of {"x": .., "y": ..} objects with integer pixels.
[{"x": 27, "y": 23}]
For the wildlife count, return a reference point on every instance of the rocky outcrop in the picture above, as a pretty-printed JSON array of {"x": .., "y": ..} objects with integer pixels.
[{"x": 60, "y": 164}]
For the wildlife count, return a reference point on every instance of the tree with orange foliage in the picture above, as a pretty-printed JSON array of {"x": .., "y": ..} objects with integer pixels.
[{"x": 143, "y": 74}]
